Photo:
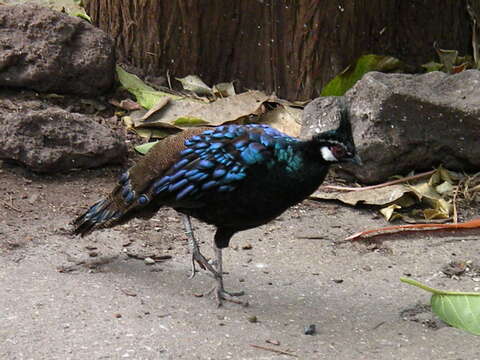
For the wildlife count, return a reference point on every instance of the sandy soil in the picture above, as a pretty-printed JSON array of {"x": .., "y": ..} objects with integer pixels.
[{"x": 63, "y": 297}]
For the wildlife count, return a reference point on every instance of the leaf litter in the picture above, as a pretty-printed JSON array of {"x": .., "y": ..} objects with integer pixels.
[
  {"x": 425, "y": 203},
  {"x": 165, "y": 111}
]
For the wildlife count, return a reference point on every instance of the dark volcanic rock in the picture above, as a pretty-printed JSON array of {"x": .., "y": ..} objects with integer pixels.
[
  {"x": 408, "y": 122},
  {"x": 50, "y": 139},
  {"x": 49, "y": 51}
]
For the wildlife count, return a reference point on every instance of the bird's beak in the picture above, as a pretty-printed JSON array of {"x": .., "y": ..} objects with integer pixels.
[{"x": 356, "y": 160}]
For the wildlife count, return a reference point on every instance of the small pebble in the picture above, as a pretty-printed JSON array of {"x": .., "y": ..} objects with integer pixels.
[
  {"x": 118, "y": 316},
  {"x": 93, "y": 254},
  {"x": 252, "y": 319},
  {"x": 338, "y": 281},
  {"x": 149, "y": 261},
  {"x": 273, "y": 342},
  {"x": 309, "y": 330},
  {"x": 247, "y": 247}
]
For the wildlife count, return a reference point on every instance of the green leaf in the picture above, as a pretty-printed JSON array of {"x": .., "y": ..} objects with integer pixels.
[
  {"x": 458, "y": 309},
  {"x": 348, "y": 77},
  {"x": 189, "y": 121},
  {"x": 144, "y": 148},
  {"x": 149, "y": 133},
  {"x": 432, "y": 66},
  {"x": 146, "y": 95}
]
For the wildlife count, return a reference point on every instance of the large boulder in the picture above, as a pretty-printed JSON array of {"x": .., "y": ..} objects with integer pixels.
[
  {"x": 408, "y": 122},
  {"x": 49, "y": 139},
  {"x": 49, "y": 51}
]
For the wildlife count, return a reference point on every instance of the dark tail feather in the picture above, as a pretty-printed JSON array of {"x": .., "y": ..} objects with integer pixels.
[{"x": 99, "y": 215}]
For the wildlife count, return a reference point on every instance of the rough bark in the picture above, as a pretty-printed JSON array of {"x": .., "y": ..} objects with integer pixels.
[{"x": 291, "y": 47}]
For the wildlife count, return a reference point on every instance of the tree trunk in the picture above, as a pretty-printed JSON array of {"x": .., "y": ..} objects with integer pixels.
[{"x": 290, "y": 47}]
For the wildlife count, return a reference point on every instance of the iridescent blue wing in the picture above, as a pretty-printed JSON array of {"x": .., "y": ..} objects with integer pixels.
[{"x": 217, "y": 160}]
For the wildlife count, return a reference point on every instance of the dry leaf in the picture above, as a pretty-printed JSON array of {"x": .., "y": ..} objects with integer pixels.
[
  {"x": 195, "y": 84},
  {"x": 224, "y": 89},
  {"x": 284, "y": 118},
  {"x": 389, "y": 212},
  {"x": 378, "y": 196}
]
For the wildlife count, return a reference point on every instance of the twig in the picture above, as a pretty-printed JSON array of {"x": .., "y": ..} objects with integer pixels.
[
  {"x": 454, "y": 201},
  {"x": 472, "y": 224},
  {"x": 273, "y": 350},
  {"x": 168, "y": 79},
  {"x": 378, "y": 325},
  {"x": 473, "y": 18},
  {"x": 393, "y": 182},
  {"x": 11, "y": 206}
]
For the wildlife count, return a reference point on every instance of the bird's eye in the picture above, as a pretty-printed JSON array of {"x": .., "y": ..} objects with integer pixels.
[{"x": 338, "y": 151}]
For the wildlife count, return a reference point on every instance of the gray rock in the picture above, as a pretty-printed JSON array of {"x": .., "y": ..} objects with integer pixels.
[
  {"x": 50, "y": 139},
  {"x": 408, "y": 122},
  {"x": 320, "y": 115},
  {"x": 48, "y": 51}
]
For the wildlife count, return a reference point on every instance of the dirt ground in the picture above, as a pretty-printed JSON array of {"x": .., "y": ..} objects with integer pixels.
[{"x": 63, "y": 297}]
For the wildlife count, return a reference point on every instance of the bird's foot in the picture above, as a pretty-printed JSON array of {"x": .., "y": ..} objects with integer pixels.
[
  {"x": 223, "y": 295},
  {"x": 198, "y": 257}
]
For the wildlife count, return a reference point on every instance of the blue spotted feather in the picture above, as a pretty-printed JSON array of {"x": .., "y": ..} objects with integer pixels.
[{"x": 217, "y": 160}]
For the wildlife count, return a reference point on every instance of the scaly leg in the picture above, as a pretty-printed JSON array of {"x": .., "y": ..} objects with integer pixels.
[
  {"x": 220, "y": 292},
  {"x": 196, "y": 254}
]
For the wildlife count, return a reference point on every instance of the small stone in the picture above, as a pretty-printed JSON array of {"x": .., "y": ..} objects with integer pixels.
[
  {"x": 149, "y": 261},
  {"x": 118, "y": 316},
  {"x": 241, "y": 280},
  {"x": 252, "y": 319},
  {"x": 310, "y": 329},
  {"x": 33, "y": 198},
  {"x": 247, "y": 247},
  {"x": 93, "y": 254},
  {"x": 337, "y": 281}
]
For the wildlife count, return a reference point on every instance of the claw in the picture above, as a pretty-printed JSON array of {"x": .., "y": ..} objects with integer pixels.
[{"x": 222, "y": 294}]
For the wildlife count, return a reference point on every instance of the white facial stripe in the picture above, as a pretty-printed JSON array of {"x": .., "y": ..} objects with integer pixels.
[{"x": 327, "y": 154}]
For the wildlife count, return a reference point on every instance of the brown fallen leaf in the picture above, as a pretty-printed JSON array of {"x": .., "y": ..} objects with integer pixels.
[{"x": 398, "y": 181}]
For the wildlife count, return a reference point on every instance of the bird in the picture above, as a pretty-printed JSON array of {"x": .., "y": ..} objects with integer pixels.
[{"x": 235, "y": 177}]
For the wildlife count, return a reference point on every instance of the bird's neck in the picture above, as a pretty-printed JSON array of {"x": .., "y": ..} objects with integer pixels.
[
  {"x": 301, "y": 156},
  {"x": 311, "y": 152}
]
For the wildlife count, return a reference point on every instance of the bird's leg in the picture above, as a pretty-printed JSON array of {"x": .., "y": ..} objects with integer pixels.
[
  {"x": 196, "y": 254},
  {"x": 220, "y": 292}
]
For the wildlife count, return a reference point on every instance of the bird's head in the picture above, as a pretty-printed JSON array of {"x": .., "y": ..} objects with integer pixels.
[{"x": 337, "y": 145}]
